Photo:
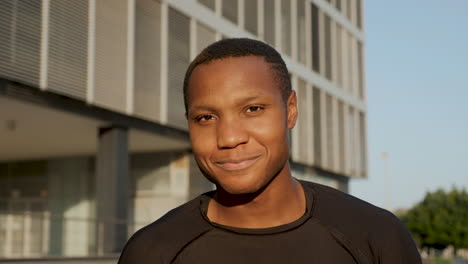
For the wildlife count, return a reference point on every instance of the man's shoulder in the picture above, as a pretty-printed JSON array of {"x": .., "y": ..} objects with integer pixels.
[
  {"x": 161, "y": 240},
  {"x": 372, "y": 232},
  {"x": 330, "y": 203}
]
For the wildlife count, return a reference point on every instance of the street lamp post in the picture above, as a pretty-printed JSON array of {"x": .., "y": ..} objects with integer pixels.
[{"x": 388, "y": 194}]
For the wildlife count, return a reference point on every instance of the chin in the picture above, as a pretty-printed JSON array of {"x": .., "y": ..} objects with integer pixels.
[
  {"x": 237, "y": 189},
  {"x": 249, "y": 185}
]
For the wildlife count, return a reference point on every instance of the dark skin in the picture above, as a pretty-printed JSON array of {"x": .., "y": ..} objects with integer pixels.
[{"x": 238, "y": 123}]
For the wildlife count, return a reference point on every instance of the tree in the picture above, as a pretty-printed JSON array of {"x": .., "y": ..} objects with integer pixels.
[{"x": 440, "y": 220}]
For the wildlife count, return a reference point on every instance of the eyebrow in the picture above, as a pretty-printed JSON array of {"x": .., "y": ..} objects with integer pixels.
[
  {"x": 247, "y": 99},
  {"x": 239, "y": 102}
]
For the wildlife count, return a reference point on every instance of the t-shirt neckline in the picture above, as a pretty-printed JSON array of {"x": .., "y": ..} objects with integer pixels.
[{"x": 204, "y": 201}]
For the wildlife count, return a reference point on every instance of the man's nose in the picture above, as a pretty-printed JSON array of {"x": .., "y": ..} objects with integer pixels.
[{"x": 230, "y": 134}]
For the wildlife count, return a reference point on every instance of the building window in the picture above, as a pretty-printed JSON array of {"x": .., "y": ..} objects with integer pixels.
[
  {"x": 363, "y": 145},
  {"x": 338, "y": 5},
  {"x": 303, "y": 123},
  {"x": 179, "y": 58},
  {"x": 339, "y": 55},
  {"x": 20, "y": 40},
  {"x": 205, "y": 36},
  {"x": 251, "y": 15},
  {"x": 360, "y": 70},
  {"x": 330, "y": 129},
  {"x": 349, "y": 9},
  {"x": 269, "y": 21},
  {"x": 352, "y": 141},
  {"x": 208, "y": 3},
  {"x": 359, "y": 14},
  {"x": 301, "y": 34},
  {"x": 111, "y": 54},
  {"x": 229, "y": 8},
  {"x": 350, "y": 62},
  {"x": 147, "y": 58},
  {"x": 327, "y": 48},
  {"x": 341, "y": 136},
  {"x": 286, "y": 27},
  {"x": 68, "y": 48},
  {"x": 315, "y": 38}
]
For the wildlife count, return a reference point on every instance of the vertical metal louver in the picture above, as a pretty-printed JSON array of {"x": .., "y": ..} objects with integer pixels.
[
  {"x": 68, "y": 41},
  {"x": 20, "y": 41},
  {"x": 179, "y": 58},
  {"x": 250, "y": 16},
  {"x": 230, "y": 10},
  {"x": 301, "y": 32},
  {"x": 286, "y": 27},
  {"x": 111, "y": 54},
  {"x": 269, "y": 21},
  {"x": 205, "y": 37},
  {"x": 147, "y": 58}
]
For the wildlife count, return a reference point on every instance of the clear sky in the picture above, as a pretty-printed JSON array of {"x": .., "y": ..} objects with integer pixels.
[{"x": 417, "y": 92}]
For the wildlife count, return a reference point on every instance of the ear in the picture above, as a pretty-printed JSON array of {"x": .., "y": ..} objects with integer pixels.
[{"x": 291, "y": 106}]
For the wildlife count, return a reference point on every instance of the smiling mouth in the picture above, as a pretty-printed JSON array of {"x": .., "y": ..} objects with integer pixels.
[{"x": 239, "y": 164}]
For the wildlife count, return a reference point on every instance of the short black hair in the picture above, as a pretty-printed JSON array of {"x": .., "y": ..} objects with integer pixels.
[{"x": 242, "y": 47}]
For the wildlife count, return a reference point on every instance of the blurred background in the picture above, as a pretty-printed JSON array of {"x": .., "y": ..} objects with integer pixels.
[{"x": 94, "y": 142}]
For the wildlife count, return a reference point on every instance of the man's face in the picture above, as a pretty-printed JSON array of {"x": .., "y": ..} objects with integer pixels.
[{"x": 238, "y": 123}]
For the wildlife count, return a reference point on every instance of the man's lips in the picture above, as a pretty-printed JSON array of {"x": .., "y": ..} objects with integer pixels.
[{"x": 236, "y": 164}]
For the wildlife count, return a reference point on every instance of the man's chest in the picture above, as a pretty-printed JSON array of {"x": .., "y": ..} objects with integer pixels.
[{"x": 310, "y": 245}]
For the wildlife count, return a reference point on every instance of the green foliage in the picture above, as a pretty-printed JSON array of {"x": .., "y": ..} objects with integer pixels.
[
  {"x": 438, "y": 260},
  {"x": 441, "y": 219}
]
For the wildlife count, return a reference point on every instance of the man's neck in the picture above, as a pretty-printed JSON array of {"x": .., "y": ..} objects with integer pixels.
[{"x": 282, "y": 201}]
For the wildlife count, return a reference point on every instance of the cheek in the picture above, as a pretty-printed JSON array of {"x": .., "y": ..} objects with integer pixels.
[
  {"x": 202, "y": 141},
  {"x": 269, "y": 130}
]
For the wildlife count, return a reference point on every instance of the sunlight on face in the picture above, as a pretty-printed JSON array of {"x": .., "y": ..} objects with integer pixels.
[{"x": 238, "y": 123}]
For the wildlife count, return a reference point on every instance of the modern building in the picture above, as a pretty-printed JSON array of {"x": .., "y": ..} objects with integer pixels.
[{"x": 93, "y": 139}]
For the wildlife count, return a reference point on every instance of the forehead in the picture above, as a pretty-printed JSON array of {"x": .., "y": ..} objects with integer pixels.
[{"x": 232, "y": 76}]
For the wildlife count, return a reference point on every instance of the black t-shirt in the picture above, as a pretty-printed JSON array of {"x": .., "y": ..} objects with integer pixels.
[{"x": 336, "y": 228}]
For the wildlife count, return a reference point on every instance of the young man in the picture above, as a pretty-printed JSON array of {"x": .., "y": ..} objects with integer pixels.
[{"x": 240, "y": 106}]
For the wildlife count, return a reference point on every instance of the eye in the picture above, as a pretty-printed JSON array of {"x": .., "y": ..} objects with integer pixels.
[
  {"x": 253, "y": 109},
  {"x": 204, "y": 118}
]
